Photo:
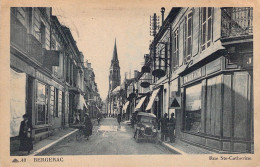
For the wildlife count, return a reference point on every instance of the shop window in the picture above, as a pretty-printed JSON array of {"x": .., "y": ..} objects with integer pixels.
[
  {"x": 192, "y": 113},
  {"x": 206, "y": 27},
  {"x": 188, "y": 37},
  {"x": 42, "y": 103}
]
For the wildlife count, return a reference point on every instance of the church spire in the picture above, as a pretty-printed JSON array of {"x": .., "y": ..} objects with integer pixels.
[
  {"x": 114, "y": 77},
  {"x": 115, "y": 58}
]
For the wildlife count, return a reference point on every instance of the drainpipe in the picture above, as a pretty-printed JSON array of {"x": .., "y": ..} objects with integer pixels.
[{"x": 170, "y": 71}]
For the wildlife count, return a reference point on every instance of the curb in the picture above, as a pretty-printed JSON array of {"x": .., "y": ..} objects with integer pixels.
[
  {"x": 51, "y": 145},
  {"x": 171, "y": 148}
]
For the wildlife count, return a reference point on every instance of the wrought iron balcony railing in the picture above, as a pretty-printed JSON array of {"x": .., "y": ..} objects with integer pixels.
[
  {"x": 236, "y": 21},
  {"x": 18, "y": 34}
]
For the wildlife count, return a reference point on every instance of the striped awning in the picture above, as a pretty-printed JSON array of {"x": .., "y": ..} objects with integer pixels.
[{"x": 150, "y": 104}]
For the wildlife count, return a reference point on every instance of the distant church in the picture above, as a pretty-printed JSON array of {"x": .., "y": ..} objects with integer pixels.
[{"x": 114, "y": 80}]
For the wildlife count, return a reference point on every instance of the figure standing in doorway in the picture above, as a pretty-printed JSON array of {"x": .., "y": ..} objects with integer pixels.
[{"x": 25, "y": 134}]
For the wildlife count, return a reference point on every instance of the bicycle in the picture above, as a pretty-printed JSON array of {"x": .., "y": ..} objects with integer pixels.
[{"x": 80, "y": 132}]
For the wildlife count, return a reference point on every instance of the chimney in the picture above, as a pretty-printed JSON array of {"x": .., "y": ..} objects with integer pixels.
[
  {"x": 136, "y": 73},
  {"x": 162, "y": 11}
]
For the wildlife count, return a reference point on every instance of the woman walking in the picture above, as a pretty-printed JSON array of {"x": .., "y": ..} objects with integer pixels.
[
  {"x": 25, "y": 134},
  {"x": 88, "y": 127}
]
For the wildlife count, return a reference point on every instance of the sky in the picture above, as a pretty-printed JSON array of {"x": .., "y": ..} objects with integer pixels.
[{"x": 95, "y": 29}]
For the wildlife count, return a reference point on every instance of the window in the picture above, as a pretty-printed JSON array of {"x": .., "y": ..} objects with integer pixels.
[
  {"x": 175, "y": 49},
  {"x": 188, "y": 37},
  {"x": 206, "y": 28},
  {"x": 53, "y": 44},
  {"x": 42, "y": 103},
  {"x": 192, "y": 113}
]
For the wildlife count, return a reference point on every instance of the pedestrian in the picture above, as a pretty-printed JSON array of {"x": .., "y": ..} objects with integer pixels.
[
  {"x": 98, "y": 118},
  {"x": 119, "y": 118},
  {"x": 164, "y": 129},
  {"x": 171, "y": 126},
  {"x": 88, "y": 127},
  {"x": 25, "y": 134}
]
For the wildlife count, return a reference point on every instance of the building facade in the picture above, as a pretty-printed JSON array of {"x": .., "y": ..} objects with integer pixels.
[
  {"x": 203, "y": 59},
  {"x": 46, "y": 72}
]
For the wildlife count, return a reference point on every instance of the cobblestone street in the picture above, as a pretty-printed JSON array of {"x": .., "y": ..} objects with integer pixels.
[{"x": 107, "y": 139}]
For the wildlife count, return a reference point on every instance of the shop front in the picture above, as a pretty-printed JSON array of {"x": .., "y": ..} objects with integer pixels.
[
  {"x": 78, "y": 108},
  {"x": 217, "y": 107}
]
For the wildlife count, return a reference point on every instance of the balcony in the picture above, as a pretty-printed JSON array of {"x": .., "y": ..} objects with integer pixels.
[
  {"x": 18, "y": 34},
  {"x": 35, "y": 50},
  {"x": 236, "y": 22}
]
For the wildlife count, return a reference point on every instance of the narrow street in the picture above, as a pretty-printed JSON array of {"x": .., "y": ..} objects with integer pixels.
[{"x": 107, "y": 139}]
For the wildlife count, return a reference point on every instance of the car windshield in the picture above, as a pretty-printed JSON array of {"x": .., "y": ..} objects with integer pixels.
[{"x": 147, "y": 119}]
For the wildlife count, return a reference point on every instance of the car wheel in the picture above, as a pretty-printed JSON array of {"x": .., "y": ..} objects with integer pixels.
[{"x": 137, "y": 137}]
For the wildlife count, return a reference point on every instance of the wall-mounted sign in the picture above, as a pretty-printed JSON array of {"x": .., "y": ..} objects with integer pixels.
[
  {"x": 248, "y": 61},
  {"x": 213, "y": 66},
  {"x": 175, "y": 100},
  {"x": 192, "y": 76}
]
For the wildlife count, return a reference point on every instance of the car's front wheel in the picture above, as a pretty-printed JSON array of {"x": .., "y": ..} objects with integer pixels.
[{"x": 137, "y": 138}]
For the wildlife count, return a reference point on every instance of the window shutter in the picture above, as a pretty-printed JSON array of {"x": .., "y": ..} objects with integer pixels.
[
  {"x": 196, "y": 29},
  {"x": 173, "y": 50},
  {"x": 185, "y": 40},
  {"x": 181, "y": 43},
  {"x": 216, "y": 19},
  {"x": 52, "y": 100}
]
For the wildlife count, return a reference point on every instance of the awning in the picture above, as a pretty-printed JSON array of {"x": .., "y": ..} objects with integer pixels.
[
  {"x": 85, "y": 104},
  {"x": 150, "y": 104},
  {"x": 80, "y": 101},
  {"x": 126, "y": 105},
  {"x": 17, "y": 101},
  {"x": 97, "y": 108},
  {"x": 139, "y": 105},
  {"x": 117, "y": 89}
]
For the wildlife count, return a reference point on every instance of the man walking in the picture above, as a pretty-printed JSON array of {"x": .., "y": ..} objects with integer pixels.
[
  {"x": 119, "y": 118},
  {"x": 171, "y": 125},
  {"x": 164, "y": 129}
]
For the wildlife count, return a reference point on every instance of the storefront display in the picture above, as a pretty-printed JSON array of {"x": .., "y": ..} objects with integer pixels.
[
  {"x": 193, "y": 108},
  {"x": 42, "y": 104}
]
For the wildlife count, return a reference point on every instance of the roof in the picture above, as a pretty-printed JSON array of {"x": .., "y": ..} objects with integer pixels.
[
  {"x": 117, "y": 89},
  {"x": 146, "y": 114},
  {"x": 115, "y": 61}
]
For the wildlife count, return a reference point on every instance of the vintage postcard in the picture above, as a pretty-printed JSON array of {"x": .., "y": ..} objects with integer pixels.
[{"x": 129, "y": 83}]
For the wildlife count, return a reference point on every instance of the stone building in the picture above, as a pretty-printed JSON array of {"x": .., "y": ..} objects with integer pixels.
[
  {"x": 203, "y": 59},
  {"x": 46, "y": 73}
]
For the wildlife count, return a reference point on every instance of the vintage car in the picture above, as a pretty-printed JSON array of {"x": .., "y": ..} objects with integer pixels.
[{"x": 145, "y": 127}]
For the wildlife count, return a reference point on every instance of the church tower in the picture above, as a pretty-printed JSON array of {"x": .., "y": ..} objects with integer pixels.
[{"x": 114, "y": 76}]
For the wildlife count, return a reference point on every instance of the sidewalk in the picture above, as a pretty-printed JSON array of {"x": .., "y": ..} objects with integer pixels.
[
  {"x": 184, "y": 148},
  {"x": 46, "y": 144}
]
